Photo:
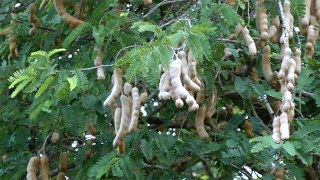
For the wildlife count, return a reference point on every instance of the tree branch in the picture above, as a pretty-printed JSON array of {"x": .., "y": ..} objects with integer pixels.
[{"x": 159, "y": 5}]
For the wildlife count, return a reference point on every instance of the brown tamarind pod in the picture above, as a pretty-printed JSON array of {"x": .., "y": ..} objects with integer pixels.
[
  {"x": 116, "y": 89},
  {"x": 32, "y": 168},
  {"x": 279, "y": 173},
  {"x": 212, "y": 101},
  {"x": 199, "y": 122},
  {"x": 61, "y": 176},
  {"x": 44, "y": 167},
  {"x": 91, "y": 129},
  {"x": 147, "y": 2},
  {"x": 248, "y": 129},
  {"x": 66, "y": 17},
  {"x": 33, "y": 19},
  {"x": 54, "y": 137},
  {"x": 63, "y": 164}
]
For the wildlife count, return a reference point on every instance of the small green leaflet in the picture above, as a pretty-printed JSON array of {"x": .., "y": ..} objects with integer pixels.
[{"x": 73, "y": 82}]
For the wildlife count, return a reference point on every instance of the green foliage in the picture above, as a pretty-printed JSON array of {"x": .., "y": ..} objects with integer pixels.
[{"x": 52, "y": 89}]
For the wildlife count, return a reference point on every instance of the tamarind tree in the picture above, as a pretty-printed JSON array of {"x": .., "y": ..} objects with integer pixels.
[{"x": 170, "y": 89}]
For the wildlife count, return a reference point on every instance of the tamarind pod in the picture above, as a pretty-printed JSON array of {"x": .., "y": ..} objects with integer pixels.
[
  {"x": 254, "y": 74},
  {"x": 33, "y": 19},
  {"x": 165, "y": 86},
  {"x": 212, "y": 101},
  {"x": 227, "y": 52},
  {"x": 262, "y": 21},
  {"x": 61, "y": 176},
  {"x": 144, "y": 97},
  {"x": 276, "y": 130},
  {"x": 297, "y": 58},
  {"x": 291, "y": 112},
  {"x": 121, "y": 148},
  {"x": 199, "y": 122},
  {"x": 287, "y": 18},
  {"x": 178, "y": 101},
  {"x": 44, "y": 167},
  {"x": 248, "y": 129},
  {"x": 284, "y": 126},
  {"x": 305, "y": 20},
  {"x": 125, "y": 120},
  {"x": 283, "y": 87},
  {"x": 317, "y": 8},
  {"x": 66, "y": 17},
  {"x": 279, "y": 173},
  {"x": 98, "y": 63},
  {"x": 32, "y": 168},
  {"x": 309, "y": 50},
  {"x": 201, "y": 95},
  {"x": 175, "y": 72},
  {"x": 91, "y": 129},
  {"x": 311, "y": 35},
  {"x": 192, "y": 103},
  {"x": 184, "y": 72},
  {"x": 54, "y": 137},
  {"x": 266, "y": 65},
  {"x": 135, "y": 110},
  {"x": 117, "y": 119},
  {"x": 249, "y": 41},
  {"x": 127, "y": 87},
  {"x": 236, "y": 33},
  {"x": 147, "y": 2},
  {"x": 12, "y": 46},
  {"x": 5, "y": 31},
  {"x": 63, "y": 164},
  {"x": 116, "y": 89}
]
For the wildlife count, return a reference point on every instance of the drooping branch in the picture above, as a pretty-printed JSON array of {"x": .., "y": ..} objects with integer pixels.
[{"x": 159, "y": 5}]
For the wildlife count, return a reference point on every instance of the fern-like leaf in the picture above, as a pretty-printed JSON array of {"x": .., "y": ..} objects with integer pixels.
[
  {"x": 146, "y": 26},
  {"x": 44, "y": 86},
  {"x": 75, "y": 33},
  {"x": 103, "y": 165}
]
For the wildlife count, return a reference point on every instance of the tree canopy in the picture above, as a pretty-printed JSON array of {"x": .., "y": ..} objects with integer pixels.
[{"x": 172, "y": 89}]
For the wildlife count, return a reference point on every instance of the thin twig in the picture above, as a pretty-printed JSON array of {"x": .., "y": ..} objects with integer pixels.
[
  {"x": 153, "y": 166},
  {"x": 267, "y": 104},
  {"x": 87, "y": 69},
  {"x": 44, "y": 144},
  {"x": 159, "y": 5},
  {"x": 124, "y": 49}
]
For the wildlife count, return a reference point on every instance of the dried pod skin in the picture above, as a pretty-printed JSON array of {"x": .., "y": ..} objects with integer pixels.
[
  {"x": 65, "y": 16},
  {"x": 54, "y": 137},
  {"x": 165, "y": 86},
  {"x": 116, "y": 89},
  {"x": 284, "y": 126},
  {"x": 297, "y": 58},
  {"x": 175, "y": 72},
  {"x": 121, "y": 148},
  {"x": 279, "y": 173},
  {"x": 212, "y": 101},
  {"x": 143, "y": 97},
  {"x": 266, "y": 65},
  {"x": 304, "y": 22},
  {"x": 33, "y": 19},
  {"x": 61, "y": 176},
  {"x": 135, "y": 110},
  {"x": 199, "y": 122},
  {"x": 91, "y": 129},
  {"x": 98, "y": 63},
  {"x": 248, "y": 129},
  {"x": 249, "y": 41},
  {"x": 63, "y": 164},
  {"x": 44, "y": 167},
  {"x": 117, "y": 119},
  {"x": 185, "y": 75},
  {"x": 32, "y": 168},
  {"x": 201, "y": 95},
  {"x": 276, "y": 130},
  {"x": 125, "y": 120},
  {"x": 147, "y": 2},
  {"x": 254, "y": 74},
  {"x": 127, "y": 87}
]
